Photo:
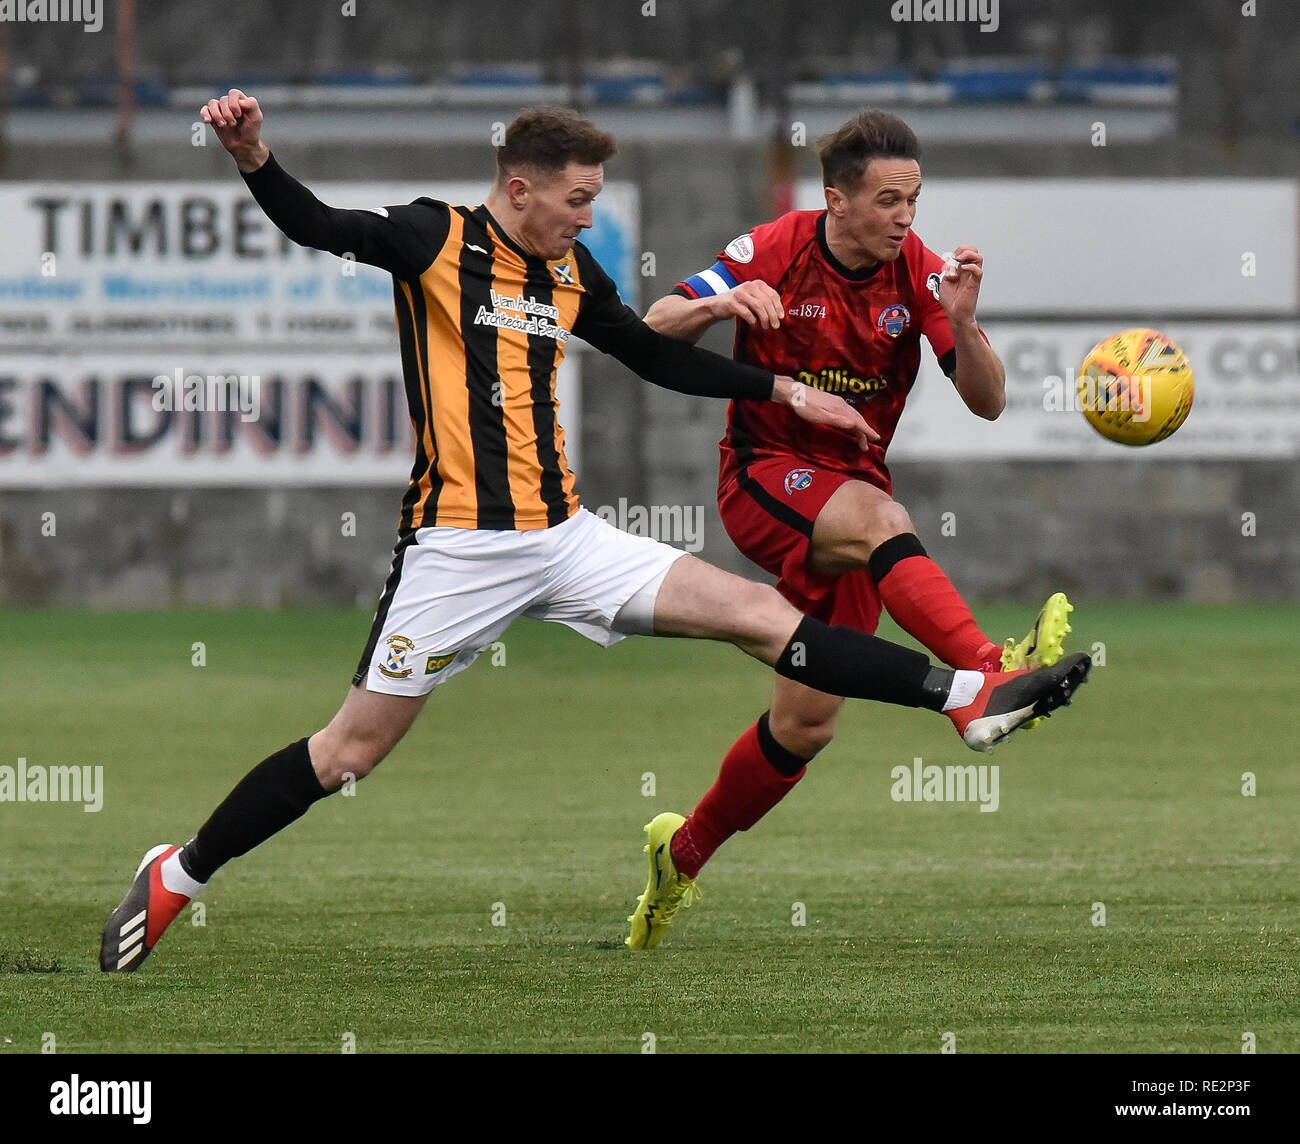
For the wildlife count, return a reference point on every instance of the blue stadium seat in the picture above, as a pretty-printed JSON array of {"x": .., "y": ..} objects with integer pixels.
[
  {"x": 1008, "y": 80},
  {"x": 697, "y": 94},
  {"x": 1087, "y": 82},
  {"x": 645, "y": 88},
  {"x": 101, "y": 91},
  {"x": 251, "y": 80},
  {"x": 364, "y": 77},
  {"x": 504, "y": 75},
  {"x": 879, "y": 75}
]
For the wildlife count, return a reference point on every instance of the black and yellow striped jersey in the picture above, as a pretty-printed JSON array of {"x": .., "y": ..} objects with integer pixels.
[{"x": 482, "y": 327}]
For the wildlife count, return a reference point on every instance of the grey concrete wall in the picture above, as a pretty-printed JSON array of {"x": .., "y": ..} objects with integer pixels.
[{"x": 1113, "y": 531}]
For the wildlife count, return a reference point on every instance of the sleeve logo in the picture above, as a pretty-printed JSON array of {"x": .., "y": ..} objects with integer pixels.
[
  {"x": 932, "y": 284},
  {"x": 740, "y": 249}
]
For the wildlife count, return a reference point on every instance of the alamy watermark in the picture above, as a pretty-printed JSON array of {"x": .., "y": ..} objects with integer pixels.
[
  {"x": 215, "y": 392},
  {"x": 982, "y": 12},
  {"x": 1120, "y": 393},
  {"x": 37, "y": 783},
  {"x": 970, "y": 783},
  {"x": 77, "y": 1097},
  {"x": 88, "y": 12},
  {"x": 671, "y": 524}
]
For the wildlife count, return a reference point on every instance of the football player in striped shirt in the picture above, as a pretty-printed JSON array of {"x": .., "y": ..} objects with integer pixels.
[
  {"x": 840, "y": 299},
  {"x": 490, "y": 527}
]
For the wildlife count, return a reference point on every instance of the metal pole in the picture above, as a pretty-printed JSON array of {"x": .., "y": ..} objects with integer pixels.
[
  {"x": 4, "y": 94},
  {"x": 125, "y": 56}
]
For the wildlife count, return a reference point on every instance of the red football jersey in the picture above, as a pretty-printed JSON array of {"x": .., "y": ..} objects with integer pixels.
[{"x": 856, "y": 333}]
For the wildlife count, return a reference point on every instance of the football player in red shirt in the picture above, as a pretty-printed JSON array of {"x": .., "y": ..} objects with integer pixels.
[{"x": 839, "y": 300}]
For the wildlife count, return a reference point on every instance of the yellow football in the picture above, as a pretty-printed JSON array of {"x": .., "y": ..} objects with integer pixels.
[{"x": 1135, "y": 387}]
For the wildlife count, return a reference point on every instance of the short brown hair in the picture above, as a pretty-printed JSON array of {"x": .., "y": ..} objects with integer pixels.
[
  {"x": 870, "y": 135},
  {"x": 545, "y": 140}
]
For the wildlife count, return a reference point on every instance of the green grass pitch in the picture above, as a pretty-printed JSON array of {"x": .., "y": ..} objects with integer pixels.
[{"x": 522, "y": 785}]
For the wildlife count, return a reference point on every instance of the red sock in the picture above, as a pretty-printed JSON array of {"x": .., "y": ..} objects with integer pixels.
[
  {"x": 747, "y": 787},
  {"x": 925, "y": 604}
]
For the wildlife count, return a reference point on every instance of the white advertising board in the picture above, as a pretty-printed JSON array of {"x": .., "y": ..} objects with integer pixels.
[
  {"x": 256, "y": 419},
  {"x": 1247, "y": 402},
  {"x": 93, "y": 265},
  {"x": 1132, "y": 248}
]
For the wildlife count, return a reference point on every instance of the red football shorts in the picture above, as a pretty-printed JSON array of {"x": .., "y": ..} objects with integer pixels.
[{"x": 768, "y": 507}]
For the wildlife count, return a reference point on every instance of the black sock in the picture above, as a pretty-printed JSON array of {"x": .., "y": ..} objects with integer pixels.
[
  {"x": 841, "y": 661},
  {"x": 883, "y": 558},
  {"x": 273, "y": 794},
  {"x": 784, "y": 761}
]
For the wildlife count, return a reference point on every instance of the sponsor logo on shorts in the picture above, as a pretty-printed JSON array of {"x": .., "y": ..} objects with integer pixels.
[
  {"x": 797, "y": 480},
  {"x": 741, "y": 249},
  {"x": 894, "y": 319},
  {"x": 395, "y": 665},
  {"x": 437, "y": 662}
]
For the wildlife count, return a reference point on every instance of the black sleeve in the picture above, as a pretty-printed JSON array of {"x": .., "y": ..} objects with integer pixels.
[
  {"x": 404, "y": 240},
  {"x": 948, "y": 363},
  {"x": 614, "y": 328}
]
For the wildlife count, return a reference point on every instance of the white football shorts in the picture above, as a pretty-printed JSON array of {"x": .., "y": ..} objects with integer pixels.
[{"x": 454, "y": 591}]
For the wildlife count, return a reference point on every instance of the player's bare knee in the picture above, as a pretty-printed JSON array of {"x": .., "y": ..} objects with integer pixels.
[
  {"x": 882, "y": 521},
  {"x": 804, "y": 735},
  {"x": 745, "y": 614},
  {"x": 769, "y": 620},
  {"x": 337, "y": 758},
  {"x": 890, "y": 519}
]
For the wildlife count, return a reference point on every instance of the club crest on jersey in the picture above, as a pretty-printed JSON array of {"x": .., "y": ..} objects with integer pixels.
[
  {"x": 395, "y": 665},
  {"x": 797, "y": 480},
  {"x": 437, "y": 662},
  {"x": 740, "y": 249},
  {"x": 564, "y": 274},
  {"x": 894, "y": 319}
]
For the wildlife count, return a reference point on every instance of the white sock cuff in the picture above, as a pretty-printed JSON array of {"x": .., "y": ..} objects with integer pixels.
[
  {"x": 177, "y": 881},
  {"x": 965, "y": 686}
]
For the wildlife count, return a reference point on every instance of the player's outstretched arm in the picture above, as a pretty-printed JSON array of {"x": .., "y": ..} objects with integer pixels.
[
  {"x": 402, "y": 240},
  {"x": 753, "y": 302},
  {"x": 614, "y": 328},
  {"x": 685, "y": 368}
]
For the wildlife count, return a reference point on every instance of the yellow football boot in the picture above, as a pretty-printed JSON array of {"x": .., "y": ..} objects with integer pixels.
[
  {"x": 1045, "y": 643},
  {"x": 666, "y": 892}
]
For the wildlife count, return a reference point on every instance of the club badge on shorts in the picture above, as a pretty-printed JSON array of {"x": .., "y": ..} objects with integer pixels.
[
  {"x": 798, "y": 479},
  {"x": 894, "y": 319},
  {"x": 395, "y": 665}
]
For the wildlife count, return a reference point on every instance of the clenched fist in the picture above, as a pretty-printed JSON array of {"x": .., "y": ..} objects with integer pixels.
[{"x": 237, "y": 120}]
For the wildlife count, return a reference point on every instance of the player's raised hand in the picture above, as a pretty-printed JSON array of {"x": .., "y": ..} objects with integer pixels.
[
  {"x": 237, "y": 120},
  {"x": 821, "y": 408},
  {"x": 959, "y": 284},
  {"x": 754, "y": 302}
]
